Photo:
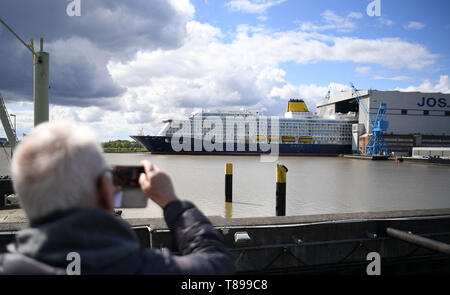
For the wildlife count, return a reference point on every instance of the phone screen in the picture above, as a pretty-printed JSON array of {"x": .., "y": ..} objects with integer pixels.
[
  {"x": 130, "y": 194},
  {"x": 127, "y": 176}
]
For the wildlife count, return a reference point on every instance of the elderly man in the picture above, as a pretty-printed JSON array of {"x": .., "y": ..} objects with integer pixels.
[{"x": 65, "y": 187}]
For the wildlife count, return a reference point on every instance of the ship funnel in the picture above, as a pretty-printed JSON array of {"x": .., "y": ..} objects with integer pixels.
[{"x": 297, "y": 105}]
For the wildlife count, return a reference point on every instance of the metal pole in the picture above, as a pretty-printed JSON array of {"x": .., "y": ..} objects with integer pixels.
[
  {"x": 418, "y": 240},
  {"x": 41, "y": 82}
]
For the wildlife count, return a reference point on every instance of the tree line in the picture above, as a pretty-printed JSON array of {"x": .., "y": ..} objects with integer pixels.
[{"x": 122, "y": 146}]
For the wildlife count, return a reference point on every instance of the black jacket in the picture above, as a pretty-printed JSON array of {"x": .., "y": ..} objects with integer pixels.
[{"x": 107, "y": 245}]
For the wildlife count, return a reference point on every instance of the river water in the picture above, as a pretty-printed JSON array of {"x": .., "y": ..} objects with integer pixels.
[{"x": 315, "y": 185}]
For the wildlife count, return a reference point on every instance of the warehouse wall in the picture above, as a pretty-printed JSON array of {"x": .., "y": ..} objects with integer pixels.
[
  {"x": 414, "y": 112},
  {"x": 407, "y": 112}
]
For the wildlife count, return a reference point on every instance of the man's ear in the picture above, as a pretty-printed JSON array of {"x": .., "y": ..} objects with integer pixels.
[{"x": 105, "y": 195}]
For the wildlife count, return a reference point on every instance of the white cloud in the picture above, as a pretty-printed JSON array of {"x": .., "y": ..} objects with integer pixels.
[
  {"x": 442, "y": 86},
  {"x": 107, "y": 124},
  {"x": 77, "y": 114},
  {"x": 397, "y": 78},
  {"x": 332, "y": 21},
  {"x": 262, "y": 18},
  {"x": 208, "y": 73},
  {"x": 252, "y": 6},
  {"x": 183, "y": 7},
  {"x": 312, "y": 94},
  {"x": 385, "y": 21},
  {"x": 363, "y": 70},
  {"x": 414, "y": 26},
  {"x": 24, "y": 118},
  {"x": 402, "y": 54},
  {"x": 356, "y": 15}
]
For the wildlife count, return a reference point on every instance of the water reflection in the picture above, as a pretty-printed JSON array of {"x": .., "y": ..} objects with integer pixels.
[{"x": 228, "y": 210}]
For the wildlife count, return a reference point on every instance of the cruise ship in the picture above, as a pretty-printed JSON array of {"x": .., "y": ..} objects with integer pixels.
[{"x": 243, "y": 132}]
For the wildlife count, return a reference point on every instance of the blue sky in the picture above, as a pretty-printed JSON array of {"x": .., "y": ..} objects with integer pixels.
[
  {"x": 122, "y": 66},
  {"x": 432, "y": 30}
]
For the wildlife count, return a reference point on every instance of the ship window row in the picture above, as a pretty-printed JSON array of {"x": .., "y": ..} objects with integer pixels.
[
  {"x": 286, "y": 125},
  {"x": 315, "y": 128},
  {"x": 315, "y": 123},
  {"x": 246, "y": 129},
  {"x": 283, "y": 132}
]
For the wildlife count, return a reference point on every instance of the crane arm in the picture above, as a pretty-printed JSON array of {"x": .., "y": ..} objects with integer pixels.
[
  {"x": 362, "y": 105},
  {"x": 6, "y": 122},
  {"x": 358, "y": 99}
]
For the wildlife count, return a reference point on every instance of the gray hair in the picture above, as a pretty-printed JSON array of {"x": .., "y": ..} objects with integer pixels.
[{"x": 56, "y": 167}]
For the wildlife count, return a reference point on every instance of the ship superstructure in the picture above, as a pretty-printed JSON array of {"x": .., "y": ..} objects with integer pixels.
[{"x": 246, "y": 132}]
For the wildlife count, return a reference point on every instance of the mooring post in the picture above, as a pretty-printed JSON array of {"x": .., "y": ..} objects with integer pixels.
[
  {"x": 41, "y": 83},
  {"x": 229, "y": 182},
  {"x": 281, "y": 190}
]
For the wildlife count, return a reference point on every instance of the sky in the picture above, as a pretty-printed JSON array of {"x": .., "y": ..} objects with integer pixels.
[{"x": 125, "y": 66}]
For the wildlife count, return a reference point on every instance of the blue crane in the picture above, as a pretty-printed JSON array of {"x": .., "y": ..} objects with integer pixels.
[{"x": 376, "y": 145}]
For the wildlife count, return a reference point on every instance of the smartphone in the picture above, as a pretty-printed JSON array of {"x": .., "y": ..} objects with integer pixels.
[{"x": 130, "y": 194}]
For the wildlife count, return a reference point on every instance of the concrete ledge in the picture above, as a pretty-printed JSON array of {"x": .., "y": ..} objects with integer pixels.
[
  {"x": 218, "y": 221},
  {"x": 15, "y": 219}
]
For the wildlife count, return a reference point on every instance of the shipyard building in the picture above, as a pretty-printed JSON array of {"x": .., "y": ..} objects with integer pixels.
[{"x": 415, "y": 119}]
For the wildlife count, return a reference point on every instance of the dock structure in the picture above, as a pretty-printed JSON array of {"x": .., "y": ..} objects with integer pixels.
[
  {"x": 368, "y": 157},
  {"x": 320, "y": 244}
]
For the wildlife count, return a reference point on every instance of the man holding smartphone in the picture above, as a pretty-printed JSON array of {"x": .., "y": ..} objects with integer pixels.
[{"x": 65, "y": 187}]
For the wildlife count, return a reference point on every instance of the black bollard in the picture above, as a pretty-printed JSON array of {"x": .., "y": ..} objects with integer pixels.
[
  {"x": 281, "y": 190},
  {"x": 229, "y": 182}
]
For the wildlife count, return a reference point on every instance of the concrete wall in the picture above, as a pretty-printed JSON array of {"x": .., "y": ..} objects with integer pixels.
[
  {"x": 335, "y": 246},
  {"x": 328, "y": 243}
]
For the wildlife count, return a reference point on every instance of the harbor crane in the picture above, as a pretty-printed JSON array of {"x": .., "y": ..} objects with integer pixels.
[
  {"x": 41, "y": 65},
  {"x": 6, "y": 122},
  {"x": 376, "y": 145},
  {"x": 41, "y": 76}
]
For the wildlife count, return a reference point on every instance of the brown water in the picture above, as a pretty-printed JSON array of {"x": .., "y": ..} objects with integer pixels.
[{"x": 314, "y": 185}]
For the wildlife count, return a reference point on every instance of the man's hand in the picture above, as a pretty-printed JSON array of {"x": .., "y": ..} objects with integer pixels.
[{"x": 156, "y": 185}]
